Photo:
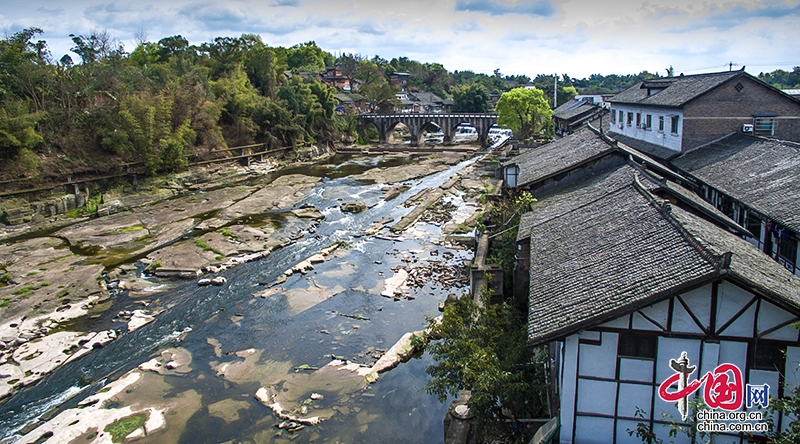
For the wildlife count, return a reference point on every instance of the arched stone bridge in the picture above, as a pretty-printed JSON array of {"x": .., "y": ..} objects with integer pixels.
[{"x": 416, "y": 122}]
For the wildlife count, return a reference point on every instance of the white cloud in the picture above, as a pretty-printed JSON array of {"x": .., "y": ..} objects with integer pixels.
[{"x": 578, "y": 37}]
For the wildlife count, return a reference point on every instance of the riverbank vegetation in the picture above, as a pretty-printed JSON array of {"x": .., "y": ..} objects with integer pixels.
[
  {"x": 484, "y": 351},
  {"x": 167, "y": 102}
]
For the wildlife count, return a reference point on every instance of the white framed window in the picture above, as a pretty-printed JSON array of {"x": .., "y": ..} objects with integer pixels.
[
  {"x": 661, "y": 124},
  {"x": 675, "y": 124},
  {"x": 765, "y": 125}
]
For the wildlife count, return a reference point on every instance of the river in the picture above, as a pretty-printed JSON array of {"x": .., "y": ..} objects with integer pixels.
[{"x": 267, "y": 339}]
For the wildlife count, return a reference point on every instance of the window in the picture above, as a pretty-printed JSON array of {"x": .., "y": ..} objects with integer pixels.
[
  {"x": 613, "y": 116},
  {"x": 754, "y": 226},
  {"x": 765, "y": 125},
  {"x": 661, "y": 123},
  {"x": 648, "y": 122},
  {"x": 768, "y": 357},
  {"x": 620, "y": 117},
  {"x": 641, "y": 346},
  {"x": 787, "y": 251},
  {"x": 638, "y": 120},
  {"x": 630, "y": 118},
  {"x": 675, "y": 124}
]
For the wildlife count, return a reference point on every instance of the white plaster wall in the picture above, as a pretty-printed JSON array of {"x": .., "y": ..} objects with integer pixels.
[
  {"x": 596, "y": 396},
  {"x": 569, "y": 376},
  {"x": 792, "y": 373},
  {"x": 682, "y": 321},
  {"x": 662, "y": 138},
  {"x": 731, "y": 299},
  {"x": 636, "y": 370},
  {"x": 699, "y": 302},
  {"x": 632, "y": 396},
  {"x": 594, "y": 430},
  {"x": 599, "y": 360},
  {"x": 770, "y": 316}
]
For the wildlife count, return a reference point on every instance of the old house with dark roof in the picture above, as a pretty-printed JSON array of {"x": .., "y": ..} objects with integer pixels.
[
  {"x": 756, "y": 182},
  {"x": 350, "y": 101},
  {"x": 574, "y": 114},
  {"x": 667, "y": 116},
  {"x": 623, "y": 281}
]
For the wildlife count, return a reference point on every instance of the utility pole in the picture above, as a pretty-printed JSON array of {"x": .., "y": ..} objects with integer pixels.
[{"x": 555, "y": 91}]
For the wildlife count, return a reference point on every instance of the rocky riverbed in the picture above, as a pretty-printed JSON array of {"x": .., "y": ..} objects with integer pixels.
[{"x": 82, "y": 286}]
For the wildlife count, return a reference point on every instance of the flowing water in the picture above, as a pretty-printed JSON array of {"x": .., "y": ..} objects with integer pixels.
[{"x": 298, "y": 325}]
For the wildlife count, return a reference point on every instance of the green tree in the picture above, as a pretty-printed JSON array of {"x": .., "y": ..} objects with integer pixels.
[
  {"x": 484, "y": 351},
  {"x": 17, "y": 129},
  {"x": 306, "y": 57},
  {"x": 472, "y": 98},
  {"x": 524, "y": 110}
]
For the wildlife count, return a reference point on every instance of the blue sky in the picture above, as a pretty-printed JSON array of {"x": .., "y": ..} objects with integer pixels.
[{"x": 576, "y": 37}]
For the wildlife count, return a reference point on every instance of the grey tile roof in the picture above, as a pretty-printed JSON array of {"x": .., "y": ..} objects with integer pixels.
[
  {"x": 678, "y": 90},
  {"x": 425, "y": 97},
  {"x": 558, "y": 156},
  {"x": 556, "y": 203},
  {"x": 625, "y": 250},
  {"x": 748, "y": 264},
  {"x": 687, "y": 197},
  {"x": 651, "y": 149},
  {"x": 763, "y": 174},
  {"x": 615, "y": 254},
  {"x": 573, "y": 109}
]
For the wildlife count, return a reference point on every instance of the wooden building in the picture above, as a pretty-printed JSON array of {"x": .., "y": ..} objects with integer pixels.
[
  {"x": 756, "y": 182},
  {"x": 622, "y": 281}
]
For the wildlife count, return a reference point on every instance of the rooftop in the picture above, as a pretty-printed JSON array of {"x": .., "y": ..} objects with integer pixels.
[
  {"x": 574, "y": 108},
  {"x": 620, "y": 249},
  {"x": 559, "y": 156},
  {"x": 676, "y": 91},
  {"x": 760, "y": 173}
]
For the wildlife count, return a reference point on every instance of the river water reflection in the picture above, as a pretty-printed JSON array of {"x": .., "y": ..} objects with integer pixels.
[{"x": 238, "y": 342}]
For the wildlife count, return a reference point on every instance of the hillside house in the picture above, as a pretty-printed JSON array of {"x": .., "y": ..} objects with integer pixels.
[
  {"x": 355, "y": 102},
  {"x": 667, "y": 116},
  {"x": 334, "y": 78}
]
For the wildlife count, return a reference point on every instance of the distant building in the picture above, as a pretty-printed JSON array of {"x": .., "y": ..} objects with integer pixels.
[
  {"x": 399, "y": 79},
  {"x": 576, "y": 113},
  {"x": 350, "y": 101},
  {"x": 667, "y": 116},
  {"x": 334, "y": 78}
]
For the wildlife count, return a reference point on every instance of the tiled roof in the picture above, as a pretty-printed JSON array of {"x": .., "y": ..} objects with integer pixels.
[
  {"x": 556, "y": 203},
  {"x": 761, "y": 173},
  {"x": 646, "y": 147},
  {"x": 687, "y": 197},
  {"x": 574, "y": 109},
  {"x": 624, "y": 250},
  {"x": 612, "y": 255},
  {"x": 425, "y": 97},
  {"x": 677, "y": 90},
  {"x": 558, "y": 156},
  {"x": 748, "y": 264}
]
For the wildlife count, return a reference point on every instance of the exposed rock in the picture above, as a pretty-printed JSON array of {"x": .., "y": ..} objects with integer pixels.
[
  {"x": 218, "y": 281},
  {"x": 138, "y": 319},
  {"x": 356, "y": 206}
]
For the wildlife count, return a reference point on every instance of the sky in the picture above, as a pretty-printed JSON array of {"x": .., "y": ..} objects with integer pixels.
[{"x": 574, "y": 37}]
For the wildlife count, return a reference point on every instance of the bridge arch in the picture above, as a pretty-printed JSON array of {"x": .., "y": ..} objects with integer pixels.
[{"x": 416, "y": 122}]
